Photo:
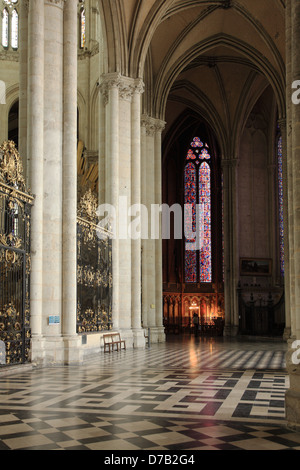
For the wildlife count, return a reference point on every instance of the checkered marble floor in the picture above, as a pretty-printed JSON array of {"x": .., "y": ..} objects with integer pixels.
[{"x": 186, "y": 395}]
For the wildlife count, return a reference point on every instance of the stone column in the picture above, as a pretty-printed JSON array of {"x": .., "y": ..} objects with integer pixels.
[
  {"x": 293, "y": 355},
  {"x": 52, "y": 179},
  {"x": 144, "y": 295},
  {"x": 101, "y": 153},
  {"x": 289, "y": 169},
  {"x": 23, "y": 74},
  {"x": 152, "y": 246},
  {"x": 35, "y": 133},
  {"x": 136, "y": 244},
  {"x": 148, "y": 260},
  {"x": 230, "y": 247},
  {"x": 287, "y": 331},
  {"x": 159, "y": 126},
  {"x": 109, "y": 89},
  {"x": 125, "y": 190},
  {"x": 289, "y": 256},
  {"x": 69, "y": 169}
]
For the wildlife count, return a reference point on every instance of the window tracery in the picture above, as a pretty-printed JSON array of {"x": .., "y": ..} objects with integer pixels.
[
  {"x": 197, "y": 200},
  {"x": 10, "y": 24},
  {"x": 5, "y": 17},
  {"x": 82, "y": 25}
]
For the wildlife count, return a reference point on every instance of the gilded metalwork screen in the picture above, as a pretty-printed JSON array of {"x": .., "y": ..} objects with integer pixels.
[
  {"x": 94, "y": 270},
  {"x": 15, "y": 209}
]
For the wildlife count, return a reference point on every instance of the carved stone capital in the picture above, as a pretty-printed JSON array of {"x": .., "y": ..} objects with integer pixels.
[
  {"x": 127, "y": 86},
  {"x": 282, "y": 126},
  {"x": 152, "y": 125},
  {"x": 108, "y": 81},
  {"x": 56, "y": 3}
]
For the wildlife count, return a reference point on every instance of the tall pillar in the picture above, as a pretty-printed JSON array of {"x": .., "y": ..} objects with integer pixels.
[
  {"x": 51, "y": 138},
  {"x": 109, "y": 89},
  {"x": 23, "y": 83},
  {"x": 159, "y": 126},
  {"x": 52, "y": 177},
  {"x": 69, "y": 182},
  {"x": 122, "y": 103},
  {"x": 148, "y": 260},
  {"x": 287, "y": 287},
  {"x": 230, "y": 247},
  {"x": 144, "y": 295},
  {"x": 125, "y": 191},
  {"x": 292, "y": 401},
  {"x": 136, "y": 188},
  {"x": 152, "y": 246},
  {"x": 101, "y": 155},
  {"x": 35, "y": 141}
]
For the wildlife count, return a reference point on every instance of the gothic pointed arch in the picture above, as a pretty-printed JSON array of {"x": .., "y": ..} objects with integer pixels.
[{"x": 114, "y": 35}]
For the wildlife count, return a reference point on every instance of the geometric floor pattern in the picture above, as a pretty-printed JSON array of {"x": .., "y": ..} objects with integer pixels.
[{"x": 185, "y": 395}]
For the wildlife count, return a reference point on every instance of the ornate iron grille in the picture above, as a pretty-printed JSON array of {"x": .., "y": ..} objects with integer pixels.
[
  {"x": 94, "y": 270},
  {"x": 261, "y": 314},
  {"x": 15, "y": 209}
]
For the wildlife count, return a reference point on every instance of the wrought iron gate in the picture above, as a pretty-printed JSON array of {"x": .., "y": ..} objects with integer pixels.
[
  {"x": 94, "y": 270},
  {"x": 15, "y": 208}
]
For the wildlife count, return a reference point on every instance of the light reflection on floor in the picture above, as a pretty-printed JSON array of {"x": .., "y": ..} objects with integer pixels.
[{"x": 186, "y": 394}]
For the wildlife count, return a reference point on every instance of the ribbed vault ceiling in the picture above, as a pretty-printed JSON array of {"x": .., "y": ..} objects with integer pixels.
[{"x": 216, "y": 57}]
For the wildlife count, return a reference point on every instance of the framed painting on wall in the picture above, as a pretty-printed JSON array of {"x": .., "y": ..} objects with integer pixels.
[{"x": 255, "y": 267}]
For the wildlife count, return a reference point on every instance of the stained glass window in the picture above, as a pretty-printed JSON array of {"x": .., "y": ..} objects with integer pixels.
[
  {"x": 14, "y": 29},
  {"x": 190, "y": 200},
  {"x": 205, "y": 222},
  {"x": 197, "y": 199},
  {"x": 82, "y": 28},
  {"x": 10, "y": 25},
  {"x": 5, "y": 28},
  {"x": 280, "y": 204}
]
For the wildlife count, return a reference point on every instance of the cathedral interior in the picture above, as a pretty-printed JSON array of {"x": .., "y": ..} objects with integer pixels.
[{"x": 149, "y": 218}]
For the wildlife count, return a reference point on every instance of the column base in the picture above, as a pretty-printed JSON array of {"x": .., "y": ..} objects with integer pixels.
[
  {"x": 139, "y": 340},
  {"x": 292, "y": 409},
  {"x": 37, "y": 350},
  {"x": 157, "y": 334},
  {"x": 127, "y": 335},
  {"x": 73, "y": 353},
  {"x": 286, "y": 334},
  {"x": 292, "y": 397},
  {"x": 49, "y": 350},
  {"x": 230, "y": 330}
]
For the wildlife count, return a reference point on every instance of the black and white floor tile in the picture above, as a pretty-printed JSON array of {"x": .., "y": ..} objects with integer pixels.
[{"x": 184, "y": 395}]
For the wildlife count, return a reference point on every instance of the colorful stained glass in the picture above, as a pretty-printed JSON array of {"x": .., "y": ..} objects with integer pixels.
[
  {"x": 280, "y": 204},
  {"x": 197, "y": 198},
  {"x": 190, "y": 265},
  {"x": 204, "y": 155},
  {"x": 190, "y": 155},
  {"x": 190, "y": 200},
  {"x": 82, "y": 28},
  {"x": 205, "y": 222},
  {"x": 197, "y": 142}
]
